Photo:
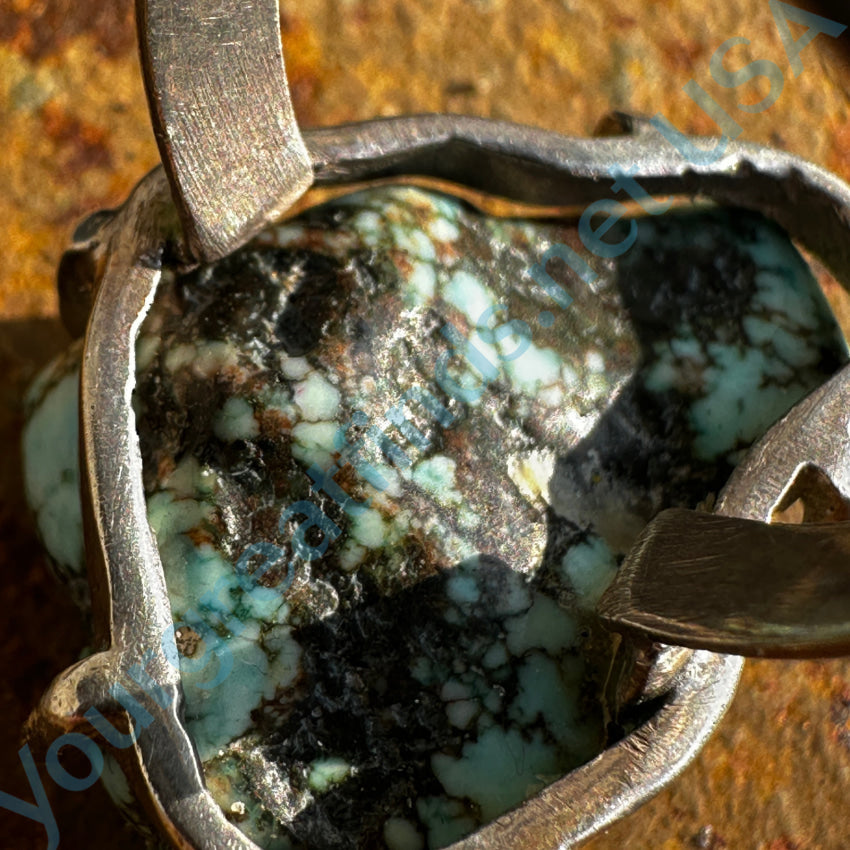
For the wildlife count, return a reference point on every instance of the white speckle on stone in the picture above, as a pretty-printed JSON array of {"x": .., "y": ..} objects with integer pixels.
[
  {"x": 443, "y": 230},
  {"x": 496, "y": 656},
  {"x": 535, "y": 368},
  {"x": 455, "y": 690},
  {"x": 545, "y": 625},
  {"x": 690, "y": 347},
  {"x": 340, "y": 241},
  {"x": 169, "y": 516},
  {"x": 577, "y": 424},
  {"x": 421, "y": 284},
  {"x": 317, "y": 398},
  {"x": 286, "y": 233},
  {"x": 436, "y": 475},
  {"x": 462, "y": 712},
  {"x": 736, "y": 405},
  {"x": 551, "y": 396},
  {"x": 370, "y": 226},
  {"x": 569, "y": 376},
  {"x": 589, "y": 567},
  {"x": 595, "y": 362},
  {"x": 351, "y": 555},
  {"x": 214, "y": 357},
  {"x": 214, "y": 722},
  {"x": 532, "y": 472},
  {"x": 146, "y": 348},
  {"x": 401, "y": 834},
  {"x": 179, "y": 356},
  {"x": 463, "y": 589},
  {"x": 236, "y": 421},
  {"x": 469, "y": 295},
  {"x": 391, "y": 478},
  {"x": 497, "y": 769},
  {"x": 186, "y": 479},
  {"x": 794, "y": 349},
  {"x": 543, "y": 692},
  {"x": 369, "y": 529},
  {"x": 51, "y": 473},
  {"x": 413, "y": 241},
  {"x": 279, "y": 399},
  {"x": 314, "y": 443},
  {"x": 294, "y": 368},
  {"x": 285, "y": 656},
  {"x": 399, "y": 526},
  {"x": 467, "y": 518},
  {"x": 490, "y": 352},
  {"x": 325, "y": 773},
  {"x": 445, "y": 819}
]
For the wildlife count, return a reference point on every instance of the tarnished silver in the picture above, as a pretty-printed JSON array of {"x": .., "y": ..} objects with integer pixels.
[
  {"x": 222, "y": 116},
  {"x": 234, "y": 159},
  {"x": 733, "y": 583},
  {"x": 691, "y": 689}
]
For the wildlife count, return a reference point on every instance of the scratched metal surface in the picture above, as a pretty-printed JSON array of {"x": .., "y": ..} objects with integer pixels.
[{"x": 74, "y": 136}]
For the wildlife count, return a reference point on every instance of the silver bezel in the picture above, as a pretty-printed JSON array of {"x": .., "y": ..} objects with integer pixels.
[{"x": 131, "y": 608}]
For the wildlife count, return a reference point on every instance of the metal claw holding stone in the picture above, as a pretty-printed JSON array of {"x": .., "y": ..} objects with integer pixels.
[{"x": 766, "y": 574}]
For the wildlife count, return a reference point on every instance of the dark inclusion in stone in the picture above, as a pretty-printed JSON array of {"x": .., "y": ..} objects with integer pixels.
[{"x": 427, "y": 657}]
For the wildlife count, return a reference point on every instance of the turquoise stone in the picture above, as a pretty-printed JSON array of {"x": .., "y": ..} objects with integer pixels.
[{"x": 393, "y": 459}]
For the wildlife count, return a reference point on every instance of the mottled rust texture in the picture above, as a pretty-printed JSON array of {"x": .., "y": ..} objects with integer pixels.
[{"x": 74, "y": 136}]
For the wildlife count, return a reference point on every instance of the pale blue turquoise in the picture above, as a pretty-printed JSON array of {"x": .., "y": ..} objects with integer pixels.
[{"x": 506, "y": 525}]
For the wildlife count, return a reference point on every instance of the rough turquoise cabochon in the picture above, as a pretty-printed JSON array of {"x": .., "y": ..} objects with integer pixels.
[{"x": 390, "y": 476}]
